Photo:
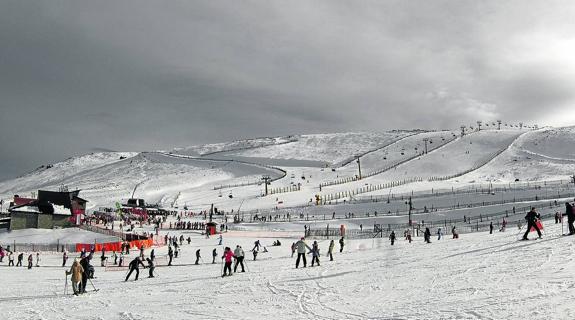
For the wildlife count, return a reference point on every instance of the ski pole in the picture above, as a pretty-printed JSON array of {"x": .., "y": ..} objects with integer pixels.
[{"x": 92, "y": 283}]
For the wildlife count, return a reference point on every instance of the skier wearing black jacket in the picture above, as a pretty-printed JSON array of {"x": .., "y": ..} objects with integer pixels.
[
  {"x": 532, "y": 218},
  {"x": 570, "y": 217},
  {"x": 85, "y": 263},
  {"x": 392, "y": 237},
  {"x": 134, "y": 265}
]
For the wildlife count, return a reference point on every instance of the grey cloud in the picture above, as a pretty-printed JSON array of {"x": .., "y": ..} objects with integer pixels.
[{"x": 137, "y": 75}]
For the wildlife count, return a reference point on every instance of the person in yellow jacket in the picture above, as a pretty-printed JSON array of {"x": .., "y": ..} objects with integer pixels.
[{"x": 76, "y": 271}]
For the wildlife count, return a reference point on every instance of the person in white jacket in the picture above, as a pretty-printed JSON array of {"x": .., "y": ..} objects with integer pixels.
[
  {"x": 239, "y": 255},
  {"x": 301, "y": 248}
]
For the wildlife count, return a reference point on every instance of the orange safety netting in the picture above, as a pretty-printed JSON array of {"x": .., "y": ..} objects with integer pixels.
[{"x": 113, "y": 246}]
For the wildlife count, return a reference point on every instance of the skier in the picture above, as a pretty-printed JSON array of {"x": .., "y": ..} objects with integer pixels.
[
  {"x": 170, "y": 255},
  {"x": 427, "y": 235},
  {"x": 20, "y": 258},
  {"x": 85, "y": 263},
  {"x": 64, "y": 258},
  {"x": 314, "y": 253},
  {"x": 491, "y": 227},
  {"x": 30, "y": 261},
  {"x": 121, "y": 262},
  {"x": 255, "y": 253},
  {"x": 37, "y": 259},
  {"x": 392, "y": 237},
  {"x": 570, "y": 213},
  {"x": 228, "y": 255},
  {"x": 198, "y": 257},
  {"x": 151, "y": 267},
  {"x": 239, "y": 255},
  {"x": 153, "y": 254},
  {"x": 142, "y": 252},
  {"x": 532, "y": 217},
  {"x": 293, "y": 247},
  {"x": 408, "y": 234},
  {"x": 134, "y": 265},
  {"x": 115, "y": 256},
  {"x": 214, "y": 255},
  {"x": 301, "y": 247},
  {"x": 103, "y": 258},
  {"x": 454, "y": 233},
  {"x": 503, "y": 225},
  {"x": 76, "y": 271},
  {"x": 329, "y": 250},
  {"x": 176, "y": 249},
  {"x": 256, "y": 245},
  {"x": 10, "y": 258},
  {"x": 220, "y": 240},
  {"x": 439, "y": 234},
  {"x": 341, "y": 245}
]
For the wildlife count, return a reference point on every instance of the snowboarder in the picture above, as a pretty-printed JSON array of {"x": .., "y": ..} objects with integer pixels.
[
  {"x": 214, "y": 255},
  {"x": 329, "y": 250},
  {"x": 76, "y": 271},
  {"x": 491, "y": 227},
  {"x": 341, "y": 245},
  {"x": 239, "y": 255},
  {"x": 228, "y": 255},
  {"x": 532, "y": 217},
  {"x": 151, "y": 267},
  {"x": 392, "y": 237},
  {"x": 314, "y": 254},
  {"x": 198, "y": 257},
  {"x": 134, "y": 266},
  {"x": 64, "y": 258},
  {"x": 570, "y": 213},
  {"x": 170, "y": 255},
  {"x": 301, "y": 247}
]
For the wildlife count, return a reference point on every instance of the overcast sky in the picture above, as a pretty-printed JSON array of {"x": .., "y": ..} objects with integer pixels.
[{"x": 78, "y": 76}]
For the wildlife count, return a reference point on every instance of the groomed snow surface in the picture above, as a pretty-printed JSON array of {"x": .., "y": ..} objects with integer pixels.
[{"x": 479, "y": 276}]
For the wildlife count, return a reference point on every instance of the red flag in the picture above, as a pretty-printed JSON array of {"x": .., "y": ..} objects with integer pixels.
[{"x": 539, "y": 225}]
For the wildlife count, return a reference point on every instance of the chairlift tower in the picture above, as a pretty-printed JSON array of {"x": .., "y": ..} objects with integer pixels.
[{"x": 266, "y": 180}]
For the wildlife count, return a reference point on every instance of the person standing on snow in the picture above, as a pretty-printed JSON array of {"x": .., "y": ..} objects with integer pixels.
[
  {"x": 214, "y": 255},
  {"x": 76, "y": 271},
  {"x": 439, "y": 234},
  {"x": 392, "y": 237},
  {"x": 301, "y": 248},
  {"x": 228, "y": 255},
  {"x": 315, "y": 253},
  {"x": 293, "y": 248},
  {"x": 20, "y": 258},
  {"x": 134, "y": 266},
  {"x": 64, "y": 258},
  {"x": 10, "y": 258},
  {"x": 570, "y": 213},
  {"x": 329, "y": 250},
  {"x": 408, "y": 234},
  {"x": 151, "y": 267},
  {"x": 198, "y": 257},
  {"x": 491, "y": 227},
  {"x": 30, "y": 259},
  {"x": 341, "y": 245},
  {"x": 170, "y": 255},
  {"x": 220, "y": 240},
  {"x": 532, "y": 217},
  {"x": 239, "y": 254},
  {"x": 427, "y": 235},
  {"x": 37, "y": 259}
]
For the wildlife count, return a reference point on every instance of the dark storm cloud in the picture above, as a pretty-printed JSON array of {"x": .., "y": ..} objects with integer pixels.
[{"x": 133, "y": 75}]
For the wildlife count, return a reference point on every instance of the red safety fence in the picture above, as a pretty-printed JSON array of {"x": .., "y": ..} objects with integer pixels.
[{"x": 114, "y": 246}]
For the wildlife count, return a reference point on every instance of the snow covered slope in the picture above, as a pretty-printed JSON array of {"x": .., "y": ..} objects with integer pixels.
[
  {"x": 228, "y": 173},
  {"x": 479, "y": 276}
]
